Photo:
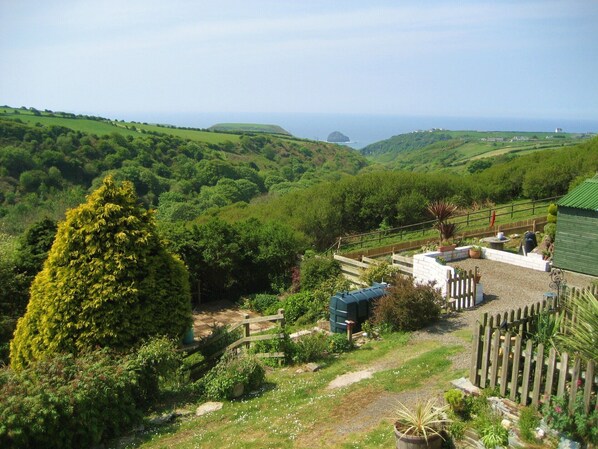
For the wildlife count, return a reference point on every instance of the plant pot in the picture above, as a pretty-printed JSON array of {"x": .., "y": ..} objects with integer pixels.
[
  {"x": 473, "y": 254},
  {"x": 405, "y": 441},
  {"x": 445, "y": 248}
]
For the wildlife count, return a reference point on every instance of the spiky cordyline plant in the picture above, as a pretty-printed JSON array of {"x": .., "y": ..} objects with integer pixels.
[
  {"x": 442, "y": 211},
  {"x": 581, "y": 335},
  {"x": 424, "y": 420}
]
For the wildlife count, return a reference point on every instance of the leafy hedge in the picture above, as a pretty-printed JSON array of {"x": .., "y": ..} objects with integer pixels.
[
  {"x": 73, "y": 402},
  {"x": 222, "y": 381},
  {"x": 407, "y": 306}
]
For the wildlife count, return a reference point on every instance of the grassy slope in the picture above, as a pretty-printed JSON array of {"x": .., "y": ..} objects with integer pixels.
[
  {"x": 250, "y": 127},
  {"x": 454, "y": 149},
  {"x": 298, "y": 411},
  {"x": 103, "y": 127}
]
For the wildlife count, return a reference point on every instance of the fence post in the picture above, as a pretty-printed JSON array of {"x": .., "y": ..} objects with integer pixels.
[
  {"x": 476, "y": 355},
  {"x": 350, "y": 325},
  {"x": 574, "y": 377},
  {"x": 527, "y": 366},
  {"x": 246, "y": 330},
  {"x": 515, "y": 370},
  {"x": 512, "y": 208},
  {"x": 538, "y": 374},
  {"x": 587, "y": 392}
]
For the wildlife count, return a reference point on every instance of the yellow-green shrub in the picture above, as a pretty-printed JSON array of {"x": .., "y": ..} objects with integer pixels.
[{"x": 107, "y": 282}]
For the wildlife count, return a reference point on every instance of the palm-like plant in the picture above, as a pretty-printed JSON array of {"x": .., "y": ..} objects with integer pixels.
[
  {"x": 581, "y": 334},
  {"x": 443, "y": 211},
  {"x": 425, "y": 420}
]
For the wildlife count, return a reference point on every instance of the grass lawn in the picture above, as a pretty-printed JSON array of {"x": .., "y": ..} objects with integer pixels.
[{"x": 296, "y": 410}]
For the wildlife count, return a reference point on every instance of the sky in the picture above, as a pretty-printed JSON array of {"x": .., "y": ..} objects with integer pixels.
[{"x": 444, "y": 58}]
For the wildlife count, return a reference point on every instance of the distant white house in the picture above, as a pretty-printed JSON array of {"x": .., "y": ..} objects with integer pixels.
[{"x": 558, "y": 130}]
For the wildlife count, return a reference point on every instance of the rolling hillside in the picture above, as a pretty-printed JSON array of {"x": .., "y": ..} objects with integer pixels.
[
  {"x": 459, "y": 150},
  {"x": 48, "y": 160}
]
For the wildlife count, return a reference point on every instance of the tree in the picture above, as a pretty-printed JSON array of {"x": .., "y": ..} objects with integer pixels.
[{"x": 108, "y": 282}]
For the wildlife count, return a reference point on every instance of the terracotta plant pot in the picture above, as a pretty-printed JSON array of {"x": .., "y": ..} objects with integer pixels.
[
  {"x": 413, "y": 442},
  {"x": 473, "y": 254}
]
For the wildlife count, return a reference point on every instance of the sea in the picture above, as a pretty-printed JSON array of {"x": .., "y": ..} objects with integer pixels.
[{"x": 363, "y": 129}]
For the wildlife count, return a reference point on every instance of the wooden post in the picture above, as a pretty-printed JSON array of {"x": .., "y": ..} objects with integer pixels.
[
  {"x": 504, "y": 381},
  {"x": 587, "y": 392},
  {"x": 538, "y": 374},
  {"x": 550, "y": 372},
  {"x": 350, "y": 325},
  {"x": 246, "y": 330},
  {"x": 515, "y": 369},
  {"x": 527, "y": 366},
  {"x": 574, "y": 377},
  {"x": 476, "y": 355}
]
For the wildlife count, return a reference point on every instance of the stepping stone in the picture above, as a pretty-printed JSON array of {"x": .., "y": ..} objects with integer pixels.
[{"x": 208, "y": 407}]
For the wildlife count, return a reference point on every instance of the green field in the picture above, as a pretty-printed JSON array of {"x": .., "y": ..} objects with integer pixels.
[
  {"x": 454, "y": 150},
  {"x": 105, "y": 126},
  {"x": 250, "y": 127}
]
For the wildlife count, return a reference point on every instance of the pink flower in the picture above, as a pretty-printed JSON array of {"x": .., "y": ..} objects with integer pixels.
[
  {"x": 579, "y": 383},
  {"x": 558, "y": 409}
]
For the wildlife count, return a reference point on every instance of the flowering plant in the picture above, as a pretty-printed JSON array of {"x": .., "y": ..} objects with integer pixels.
[{"x": 578, "y": 424}]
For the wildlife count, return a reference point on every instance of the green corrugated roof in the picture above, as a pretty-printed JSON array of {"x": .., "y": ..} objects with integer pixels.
[{"x": 584, "y": 196}]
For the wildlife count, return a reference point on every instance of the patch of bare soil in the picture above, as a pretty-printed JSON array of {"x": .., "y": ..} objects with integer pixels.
[{"x": 218, "y": 313}]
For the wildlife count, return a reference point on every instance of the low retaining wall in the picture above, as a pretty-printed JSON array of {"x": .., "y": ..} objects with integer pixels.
[
  {"x": 532, "y": 261},
  {"x": 427, "y": 269}
]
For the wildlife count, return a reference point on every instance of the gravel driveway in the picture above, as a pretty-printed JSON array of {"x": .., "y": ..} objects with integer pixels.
[{"x": 509, "y": 287}]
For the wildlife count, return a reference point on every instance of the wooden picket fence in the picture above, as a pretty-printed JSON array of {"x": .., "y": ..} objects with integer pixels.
[
  {"x": 503, "y": 357},
  {"x": 461, "y": 289}
]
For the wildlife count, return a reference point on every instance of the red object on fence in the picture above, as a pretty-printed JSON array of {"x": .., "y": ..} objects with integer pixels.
[{"x": 493, "y": 218}]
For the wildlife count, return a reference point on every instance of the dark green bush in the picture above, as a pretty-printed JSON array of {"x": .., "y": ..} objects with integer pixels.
[
  {"x": 339, "y": 343},
  {"x": 284, "y": 345},
  {"x": 310, "y": 348},
  {"x": 315, "y": 270},
  {"x": 407, "y": 306},
  {"x": 302, "y": 305},
  {"x": 458, "y": 402},
  {"x": 263, "y": 303},
  {"x": 220, "y": 382},
  {"x": 74, "y": 402}
]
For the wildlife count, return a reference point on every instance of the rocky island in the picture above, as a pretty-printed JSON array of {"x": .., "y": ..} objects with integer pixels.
[{"x": 337, "y": 137}]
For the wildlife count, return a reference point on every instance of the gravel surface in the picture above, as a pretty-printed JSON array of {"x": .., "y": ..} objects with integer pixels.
[
  {"x": 509, "y": 287},
  {"x": 505, "y": 287}
]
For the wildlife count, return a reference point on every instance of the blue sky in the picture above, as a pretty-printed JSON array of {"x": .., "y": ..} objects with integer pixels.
[{"x": 445, "y": 58}]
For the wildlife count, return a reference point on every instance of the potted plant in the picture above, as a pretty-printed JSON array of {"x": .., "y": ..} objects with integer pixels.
[
  {"x": 421, "y": 426},
  {"x": 475, "y": 252},
  {"x": 443, "y": 211}
]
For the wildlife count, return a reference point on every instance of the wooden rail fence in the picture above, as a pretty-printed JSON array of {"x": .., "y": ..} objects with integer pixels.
[
  {"x": 246, "y": 339},
  {"x": 464, "y": 221},
  {"x": 503, "y": 356}
]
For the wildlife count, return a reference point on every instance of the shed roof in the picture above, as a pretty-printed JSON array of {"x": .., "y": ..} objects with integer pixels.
[{"x": 584, "y": 196}]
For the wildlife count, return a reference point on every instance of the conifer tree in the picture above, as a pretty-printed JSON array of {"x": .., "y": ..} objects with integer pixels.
[{"x": 108, "y": 282}]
